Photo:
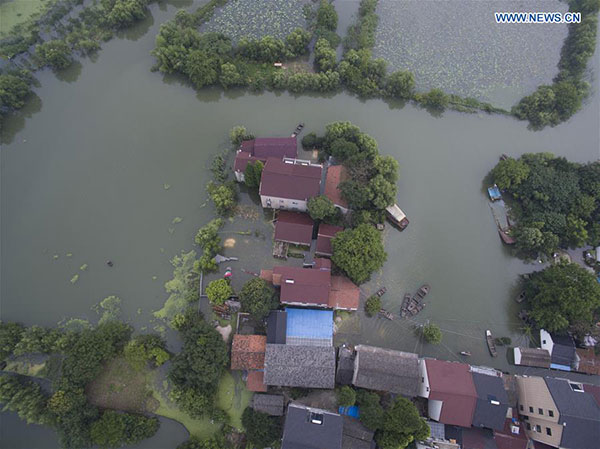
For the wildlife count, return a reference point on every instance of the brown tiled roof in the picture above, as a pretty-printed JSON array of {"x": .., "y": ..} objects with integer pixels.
[
  {"x": 303, "y": 285},
  {"x": 256, "y": 381},
  {"x": 452, "y": 383},
  {"x": 344, "y": 294},
  {"x": 248, "y": 351},
  {"x": 322, "y": 264},
  {"x": 294, "y": 227},
  {"x": 326, "y": 233},
  {"x": 242, "y": 158},
  {"x": 335, "y": 175},
  {"x": 290, "y": 181},
  {"x": 589, "y": 362},
  {"x": 264, "y": 147}
]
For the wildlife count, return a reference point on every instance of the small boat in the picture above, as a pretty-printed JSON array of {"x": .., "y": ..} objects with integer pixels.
[
  {"x": 109, "y": 263},
  {"x": 381, "y": 292},
  {"x": 507, "y": 239},
  {"x": 298, "y": 130},
  {"x": 521, "y": 297},
  {"x": 465, "y": 353},
  {"x": 228, "y": 273},
  {"x": 494, "y": 193},
  {"x": 423, "y": 290},
  {"x": 503, "y": 157},
  {"x": 397, "y": 216},
  {"x": 387, "y": 314},
  {"x": 490, "y": 343}
]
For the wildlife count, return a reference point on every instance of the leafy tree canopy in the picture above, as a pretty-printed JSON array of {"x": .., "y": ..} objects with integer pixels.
[
  {"x": 218, "y": 291},
  {"x": 262, "y": 430},
  {"x": 321, "y": 208},
  {"x": 258, "y": 298},
  {"x": 358, "y": 252}
]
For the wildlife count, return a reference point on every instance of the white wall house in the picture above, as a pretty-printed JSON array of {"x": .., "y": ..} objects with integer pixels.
[{"x": 424, "y": 380}]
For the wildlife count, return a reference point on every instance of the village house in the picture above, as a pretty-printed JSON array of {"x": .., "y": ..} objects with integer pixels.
[
  {"x": 386, "y": 370},
  {"x": 536, "y": 357},
  {"x": 450, "y": 391},
  {"x": 559, "y": 412},
  {"x": 311, "y": 428},
  {"x": 294, "y": 227},
  {"x": 336, "y": 174},
  {"x": 324, "y": 235},
  {"x": 261, "y": 149},
  {"x": 492, "y": 401},
  {"x": 248, "y": 354},
  {"x": 289, "y": 184},
  {"x": 512, "y": 436},
  {"x": 561, "y": 348},
  {"x": 271, "y": 404},
  {"x": 437, "y": 438},
  {"x": 300, "y": 366}
]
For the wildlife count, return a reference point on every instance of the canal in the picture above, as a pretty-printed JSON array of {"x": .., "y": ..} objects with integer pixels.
[{"x": 83, "y": 178}]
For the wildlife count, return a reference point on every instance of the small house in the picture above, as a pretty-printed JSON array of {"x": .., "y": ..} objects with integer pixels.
[
  {"x": 344, "y": 294},
  {"x": 271, "y": 404},
  {"x": 261, "y": 149},
  {"x": 324, "y": 236},
  {"x": 294, "y": 227},
  {"x": 563, "y": 356},
  {"x": 301, "y": 286},
  {"x": 336, "y": 174},
  {"x": 300, "y": 366},
  {"x": 311, "y": 428},
  {"x": 437, "y": 438},
  {"x": 535, "y": 357}
]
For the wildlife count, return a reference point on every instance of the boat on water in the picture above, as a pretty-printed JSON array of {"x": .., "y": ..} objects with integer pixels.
[
  {"x": 423, "y": 290},
  {"x": 494, "y": 193},
  {"x": 404, "y": 308},
  {"x": 490, "y": 343},
  {"x": 397, "y": 216},
  {"x": 465, "y": 353},
  {"x": 507, "y": 239},
  {"x": 381, "y": 292},
  {"x": 387, "y": 314},
  {"x": 298, "y": 130}
]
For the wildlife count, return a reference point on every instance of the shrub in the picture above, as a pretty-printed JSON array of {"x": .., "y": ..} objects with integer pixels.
[{"x": 373, "y": 305}]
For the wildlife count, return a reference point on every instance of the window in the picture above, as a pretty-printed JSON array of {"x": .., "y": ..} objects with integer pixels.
[
  {"x": 530, "y": 409},
  {"x": 538, "y": 428},
  {"x": 548, "y": 431},
  {"x": 541, "y": 411},
  {"x": 422, "y": 380},
  {"x": 550, "y": 413},
  {"x": 528, "y": 426},
  {"x": 576, "y": 387},
  {"x": 521, "y": 407}
]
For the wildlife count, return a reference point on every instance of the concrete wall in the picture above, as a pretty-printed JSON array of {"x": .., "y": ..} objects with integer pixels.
[{"x": 273, "y": 202}]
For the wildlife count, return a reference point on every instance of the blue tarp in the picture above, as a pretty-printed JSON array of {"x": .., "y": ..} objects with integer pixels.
[
  {"x": 309, "y": 323},
  {"x": 494, "y": 193},
  {"x": 350, "y": 411}
]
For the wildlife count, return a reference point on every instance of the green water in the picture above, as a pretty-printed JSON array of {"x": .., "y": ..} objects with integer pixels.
[{"x": 84, "y": 174}]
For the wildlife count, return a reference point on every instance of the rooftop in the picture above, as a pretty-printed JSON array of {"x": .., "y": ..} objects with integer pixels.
[
  {"x": 300, "y": 366},
  {"x": 508, "y": 439},
  {"x": 289, "y": 180},
  {"x": 303, "y": 285},
  {"x": 336, "y": 174},
  {"x": 276, "y": 326},
  {"x": 386, "y": 370},
  {"x": 309, "y": 327},
  {"x": 324, "y": 236},
  {"x": 589, "y": 362},
  {"x": 256, "y": 381},
  {"x": 356, "y": 435},
  {"x": 262, "y": 148},
  {"x": 271, "y": 404},
  {"x": 492, "y": 402},
  {"x": 345, "y": 366},
  {"x": 310, "y": 428},
  {"x": 248, "y": 352},
  {"x": 532, "y": 357},
  {"x": 452, "y": 383},
  {"x": 294, "y": 227},
  {"x": 344, "y": 293}
]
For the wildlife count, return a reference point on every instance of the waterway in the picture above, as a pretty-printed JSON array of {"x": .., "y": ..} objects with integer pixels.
[{"x": 83, "y": 175}]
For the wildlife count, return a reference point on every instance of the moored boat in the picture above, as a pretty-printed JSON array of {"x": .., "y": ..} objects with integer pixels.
[
  {"x": 387, "y": 314},
  {"x": 490, "y": 343},
  {"x": 381, "y": 292},
  {"x": 397, "y": 216},
  {"x": 465, "y": 353},
  {"x": 423, "y": 290}
]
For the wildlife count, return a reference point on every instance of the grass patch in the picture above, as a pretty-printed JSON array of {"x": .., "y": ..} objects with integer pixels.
[
  {"x": 233, "y": 397},
  {"x": 17, "y": 11}
]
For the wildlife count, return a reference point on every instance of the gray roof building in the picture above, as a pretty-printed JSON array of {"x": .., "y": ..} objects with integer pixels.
[
  {"x": 300, "y": 366},
  {"x": 271, "y": 404},
  {"x": 532, "y": 357},
  {"x": 345, "y": 367},
  {"x": 579, "y": 414},
  {"x": 356, "y": 435},
  {"x": 492, "y": 402},
  {"x": 386, "y": 370},
  {"x": 311, "y": 428},
  {"x": 276, "y": 327}
]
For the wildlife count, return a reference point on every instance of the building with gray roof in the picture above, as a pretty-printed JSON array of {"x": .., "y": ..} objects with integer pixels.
[
  {"x": 492, "y": 401},
  {"x": 311, "y": 428},
  {"x": 300, "y": 366},
  {"x": 271, "y": 404},
  {"x": 386, "y": 370},
  {"x": 356, "y": 435},
  {"x": 345, "y": 366}
]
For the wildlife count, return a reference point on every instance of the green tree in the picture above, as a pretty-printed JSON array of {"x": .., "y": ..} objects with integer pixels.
[
  {"x": 229, "y": 75},
  {"x": 509, "y": 173},
  {"x": 224, "y": 196},
  {"x": 343, "y": 149},
  {"x": 54, "y": 53},
  {"x": 311, "y": 141},
  {"x": 432, "y": 334},
  {"x": 371, "y": 411},
  {"x": 262, "y": 430},
  {"x": 115, "y": 429},
  {"x": 325, "y": 56},
  {"x": 25, "y": 398},
  {"x": 216, "y": 442},
  {"x": 435, "y": 98},
  {"x": 258, "y": 298},
  {"x": 356, "y": 194},
  {"x": 401, "y": 426},
  {"x": 252, "y": 174},
  {"x": 562, "y": 297},
  {"x": 144, "y": 349},
  {"x": 382, "y": 192},
  {"x": 183, "y": 287},
  {"x": 209, "y": 240},
  {"x": 14, "y": 89},
  {"x": 121, "y": 13},
  {"x": 400, "y": 84},
  {"x": 358, "y": 252},
  {"x": 10, "y": 335},
  {"x": 346, "y": 396},
  {"x": 297, "y": 42},
  {"x": 218, "y": 291},
  {"x": 237, "y": 134},
  {"x": 327, "y": 17},
  {"x": 373, "y": 305},
  {"x": 321, "y": 208}
]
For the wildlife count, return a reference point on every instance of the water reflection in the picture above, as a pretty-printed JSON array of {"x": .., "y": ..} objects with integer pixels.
[
  {"x": 15, "y": 122},
  {"x": 71, "y": 73}
]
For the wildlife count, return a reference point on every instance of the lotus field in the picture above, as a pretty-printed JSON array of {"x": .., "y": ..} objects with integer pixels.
[
  {"x": 255, "y": 19},
  {"x": 457, "y": 46}
]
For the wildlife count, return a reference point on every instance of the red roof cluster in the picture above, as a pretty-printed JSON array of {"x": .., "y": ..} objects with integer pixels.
[
  {"x": 452, "y": 383},
  {"x": 294, "y": 227},
  {"x": 261, "y": 149},
  {"x": 344, "y": 294},
  {"x": 256, "y": 381},
  {"x": 303, "y": 285},
  {"x": 335, "y": 175},
  {"x": 326, "y": 233},
  {"x": 248, "y": 352},
  {"x": 286, "y": 179}
]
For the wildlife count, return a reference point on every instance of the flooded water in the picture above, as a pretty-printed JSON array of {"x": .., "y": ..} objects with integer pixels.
[{"x": 83, "y": 175}]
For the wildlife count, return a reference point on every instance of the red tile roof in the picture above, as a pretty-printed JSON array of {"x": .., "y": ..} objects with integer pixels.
[
  {"x": 264, "y": 147},
  {"x": 294, "y": 227},
  {"x": 589, "y": 362},
  {"x": 322, "y": 264},
  {"x": 335, "y": 175},
  {"x": 344, "y": 293},
  {"x": 326, "y": 233},
  {"x": 256, "y": 381},
  {"x": 303, "y": 285},
  {"x": 248, "y": 351},
  {"x": 291, "y": 181},
  {"x": 505, "y": 439},
  {"x": 452, "y": 383}
]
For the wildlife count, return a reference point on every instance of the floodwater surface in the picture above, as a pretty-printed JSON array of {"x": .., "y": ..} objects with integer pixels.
[{"x": 83, "y": 181}]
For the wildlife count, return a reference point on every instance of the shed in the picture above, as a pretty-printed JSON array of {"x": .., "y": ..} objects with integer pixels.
[
  {"x": 324, "y": 236},
  {"x": 532, "y": 357},
  {"x": 294, "y": 227},
  {"x": 271, "y": 404},
  {"x": 256, "y": 381},
  {"x": 336, "y": 174},
  {"x": 588, "y": 362},
  {"x": 248, "y": 352}
]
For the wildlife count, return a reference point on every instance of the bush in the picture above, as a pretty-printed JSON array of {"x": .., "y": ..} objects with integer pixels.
[
  {"x": 218, "y": 291},
  {"x": 358, "y": 252},
  {"x": 224, "y": 196},
  {"x": 432, "y": 334},
  {"x": 373, "y": 305},
  {"x": 258, "y": 298},
  {"x": 54, "y": 53},
  {"x": 346, "y": 396},
  {"x": 311, "y": 141},
  {"x": 262, "y": 430}
]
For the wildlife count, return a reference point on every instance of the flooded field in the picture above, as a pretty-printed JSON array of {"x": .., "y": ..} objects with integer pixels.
[{"x": 456, "y": 45}]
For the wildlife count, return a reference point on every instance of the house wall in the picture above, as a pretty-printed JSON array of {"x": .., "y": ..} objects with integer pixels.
[
  {"x": 305, "y": 304},
  {"x": 356, "y": 364},
  {"x": 274, "y": 202},
  {"x": 424, "y": 384},
  {"x": 434, "y": 408},
  {"x": 546, "y": 340},
  {"x": 534, "y": 393}
]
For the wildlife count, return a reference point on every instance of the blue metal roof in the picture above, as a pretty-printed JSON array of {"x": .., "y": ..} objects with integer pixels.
[{"x": 309, "y": 327}]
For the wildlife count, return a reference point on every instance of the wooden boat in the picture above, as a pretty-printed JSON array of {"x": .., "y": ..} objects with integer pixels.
[
  {"x": 465, "y": 353},
  {"x": 404, "y": 308},
  {"x": 423, "y": 290},
  {"x": 490, "y": 343},
  {"x": 387, "y": 314},
  {"x": 503, "y": 157},
  {"x": 521, "y": 297},
  {"x": 417, "y": 309},
  {"x": 298, "y": 130},
  {"x": 381, "y": 292},
  {"x": 507, "y": 239},
  {"x": 397, "y": 216}
]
